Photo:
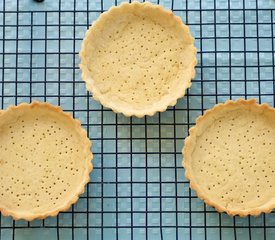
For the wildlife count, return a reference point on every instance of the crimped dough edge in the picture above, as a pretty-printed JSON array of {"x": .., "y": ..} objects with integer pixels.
[
  {"x": 96, "y": 26},
  {"x": 189, "y": 144},
  {"x": 86, "y": 176}
]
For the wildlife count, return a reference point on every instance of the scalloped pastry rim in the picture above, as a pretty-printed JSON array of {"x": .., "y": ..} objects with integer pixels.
[
  {"x": 105, "y": 101},
  {"x": 86, "y": 175},
  {"x": 189, "y": 144}
]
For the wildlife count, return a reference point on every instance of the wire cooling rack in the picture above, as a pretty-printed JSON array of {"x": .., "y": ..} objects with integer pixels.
[{"x": 137, "y": 189}]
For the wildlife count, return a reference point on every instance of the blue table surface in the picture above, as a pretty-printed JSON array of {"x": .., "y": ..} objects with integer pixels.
[{"x": 134, "y": 194}]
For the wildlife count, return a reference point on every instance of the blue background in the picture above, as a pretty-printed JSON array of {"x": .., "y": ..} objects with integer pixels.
[{"x": 137, "y": 189}]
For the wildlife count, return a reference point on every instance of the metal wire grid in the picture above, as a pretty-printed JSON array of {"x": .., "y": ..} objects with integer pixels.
[{"x": 137, "y": 188}]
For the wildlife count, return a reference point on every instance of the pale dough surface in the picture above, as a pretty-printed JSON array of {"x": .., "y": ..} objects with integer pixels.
[
  {"x": 44, "y": 160},
  {"x": 230, "y": 157},
  {"x": 138, "y": 58}
]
